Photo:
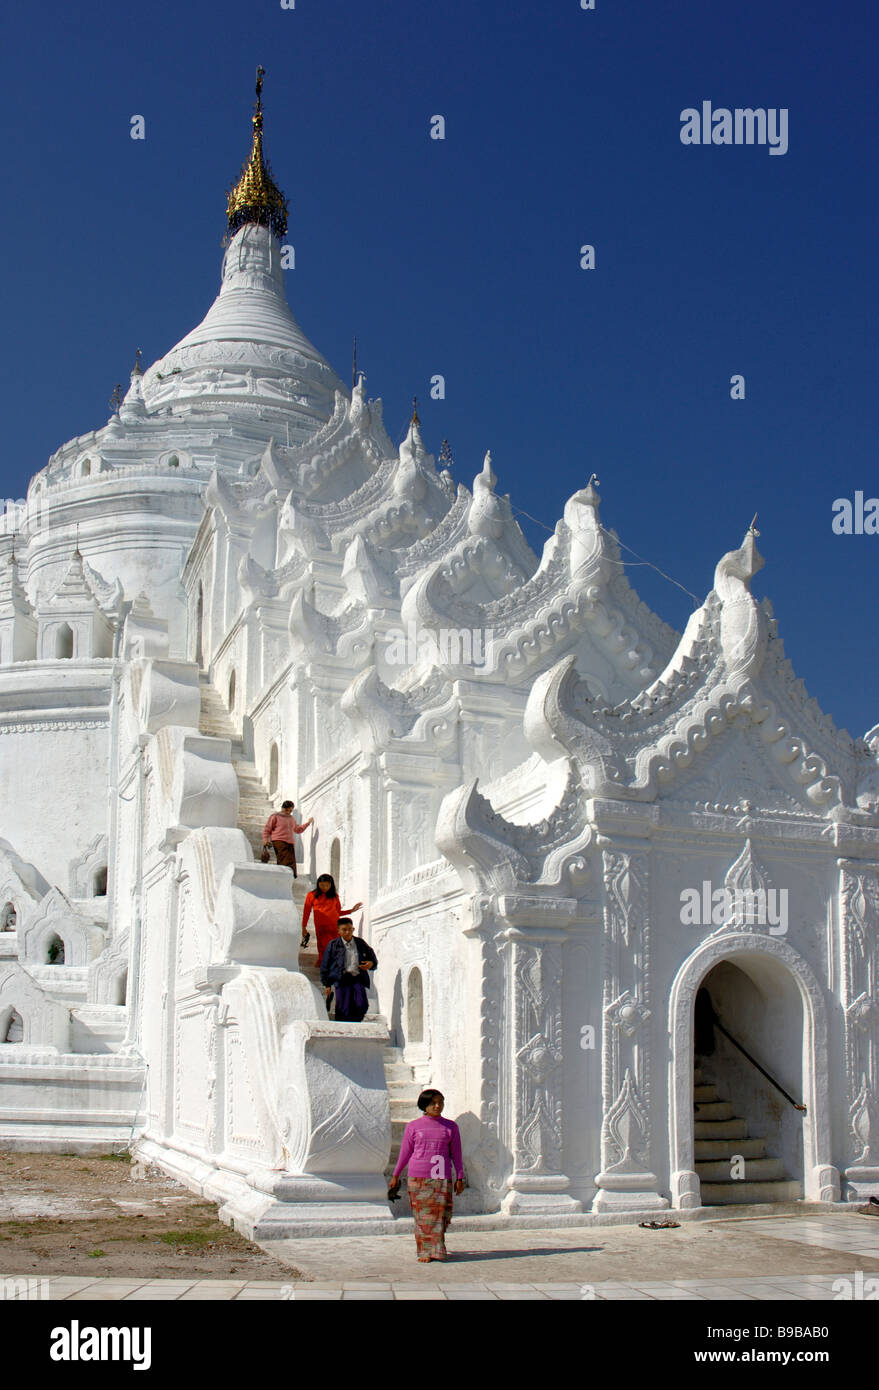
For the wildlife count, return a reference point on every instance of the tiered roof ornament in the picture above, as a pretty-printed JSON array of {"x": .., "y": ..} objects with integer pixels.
[{"x": 256, "y": 197}]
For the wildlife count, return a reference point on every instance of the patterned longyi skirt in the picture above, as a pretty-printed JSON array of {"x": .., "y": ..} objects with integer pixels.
[{"x": 431, "y": 1201}]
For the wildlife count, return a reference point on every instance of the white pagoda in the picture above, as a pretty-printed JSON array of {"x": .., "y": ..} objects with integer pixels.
[{"x": 565, "y": 820}]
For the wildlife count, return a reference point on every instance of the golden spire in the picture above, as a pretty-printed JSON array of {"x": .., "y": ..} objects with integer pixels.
[{"x": 256, "y": 197}]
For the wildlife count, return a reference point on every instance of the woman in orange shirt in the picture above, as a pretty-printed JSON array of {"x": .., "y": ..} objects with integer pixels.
[{"x": 327, "y": 907}]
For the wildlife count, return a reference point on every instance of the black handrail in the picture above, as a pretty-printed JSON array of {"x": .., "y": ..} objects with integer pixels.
[{"x": 796, "y": 1105}]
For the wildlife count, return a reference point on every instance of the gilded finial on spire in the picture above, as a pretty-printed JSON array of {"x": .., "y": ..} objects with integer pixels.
[
  {"x": 415, "y": 420},
  {"x": 256, "y": 197}
]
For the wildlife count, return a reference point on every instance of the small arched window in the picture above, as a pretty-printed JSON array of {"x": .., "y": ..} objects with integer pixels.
[
  {"x": 414, "y": 1007},
  {"x": 232, "y": 691},
  {"x": 55, "y": 951},
  {"x": 173, "y": 461},
  {"x": 14, "y": 1029},
  {"x": 273, "y": 769},
  {"x": 120, "y": 988},
  {"x": 336, "y": 861},
  {"x": 85, "y": 468},
  {"x": 64, "y": 642},
  {"x": 99, "y": 883},
  {"x": 8, "y": 917}
]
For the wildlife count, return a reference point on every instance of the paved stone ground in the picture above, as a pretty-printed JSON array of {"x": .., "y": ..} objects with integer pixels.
[
  {"x": 789, "y": 1259},
  {"x": 714, "y": 1250}
]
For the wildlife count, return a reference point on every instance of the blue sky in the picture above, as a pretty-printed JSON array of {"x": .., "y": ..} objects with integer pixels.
[{"x": 461, "y": 256}]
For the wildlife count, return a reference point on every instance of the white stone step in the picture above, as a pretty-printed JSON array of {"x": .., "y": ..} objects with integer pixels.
[
  {"x": 725, "y": 1148},
  {"x": 404, "y": 1109},
  {"x": 755, "y": 1170},
  {"x": 730, "y": 1193},
  {"x": 720, "y": 1129},
  {"x": 714, "y": 1110},
  {"x": 399, "y": 1072}
]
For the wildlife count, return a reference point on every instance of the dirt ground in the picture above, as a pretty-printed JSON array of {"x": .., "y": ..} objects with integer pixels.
[{"x": 72, "y": 1214}]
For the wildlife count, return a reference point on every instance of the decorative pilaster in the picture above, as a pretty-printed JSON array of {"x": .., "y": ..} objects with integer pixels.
[
  {"x": 859, "y": 903},
  {"x": 626, "y": 1181},
  {"x": 533, "y": 1055}
]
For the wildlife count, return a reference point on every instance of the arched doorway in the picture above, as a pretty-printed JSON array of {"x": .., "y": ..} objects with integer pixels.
[
  {"x": 8, "y": 917},
  {"x": 336, "y": 861},
  {"x": 55, "y": 951},
  {"x": 748, "y": 1060},
  {"x": 768, "y": 999},
  {"x": 64, "y": 642},
  {"x": 232, "y": 690},
  {"x": 274, "y": 761}
]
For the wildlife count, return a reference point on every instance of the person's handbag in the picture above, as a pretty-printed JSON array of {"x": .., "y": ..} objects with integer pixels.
[{"x": 264, "y": 857}]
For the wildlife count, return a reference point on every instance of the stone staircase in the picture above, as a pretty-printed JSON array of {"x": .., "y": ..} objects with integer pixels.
[
  {"x": 403, "y": 1091},
  {"x": 254, "y": 809},
  {"x": 720, "y": 1135}
]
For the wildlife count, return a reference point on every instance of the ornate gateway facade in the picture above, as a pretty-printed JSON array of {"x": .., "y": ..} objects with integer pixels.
[{"x": 568, "y": 824}]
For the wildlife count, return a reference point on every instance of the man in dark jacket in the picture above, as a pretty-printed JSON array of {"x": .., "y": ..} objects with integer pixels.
[{"x": 344, "y": 966}]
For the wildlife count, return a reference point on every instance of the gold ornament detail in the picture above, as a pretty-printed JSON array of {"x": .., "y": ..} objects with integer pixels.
[{"x": 256, "y": 197}]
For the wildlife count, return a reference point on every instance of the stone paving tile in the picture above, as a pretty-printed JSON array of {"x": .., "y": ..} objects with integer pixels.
[
  {"x": 625, "y": 1296},
  {"x": 838, "y": 1233},
  {"x": 164, "y": 1291},
  {"x": 318, "y": 1296},
  {"x": 61, "y": 1285},
  {"x": 207, "y": 1289},
  {"x": 721, "y": 1295},
  {"x": 568, "y": 1284},
  {"x": 652, "y": 1284},
  {"x": 217, "y": 1284},
  {"x": 106, "y": 1293},
  {"x": 434, "y": 1295},
  {"x": 381, "y": 1295},
  {"x": 470, "y": 1296},
  {"x": 316, "y": 1284},
  {"x": 366, "y": 1284},
  {"x": 499, "y": 1286},
  {"x": 768, "y": 1294},
  {"x": 678, "y": 1295}
]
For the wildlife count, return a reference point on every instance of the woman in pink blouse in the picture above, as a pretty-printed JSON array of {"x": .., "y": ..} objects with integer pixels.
[{"x": 431, "y": 1147}]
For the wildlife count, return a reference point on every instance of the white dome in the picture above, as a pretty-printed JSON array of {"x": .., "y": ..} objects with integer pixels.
[{"x": 248, "y": 347}]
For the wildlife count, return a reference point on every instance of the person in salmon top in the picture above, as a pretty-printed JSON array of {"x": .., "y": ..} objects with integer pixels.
[
  {"x": 327, "y": 907},
  {"x": 282, "y": 830},
  {"x": 431, "y": 1147}
]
